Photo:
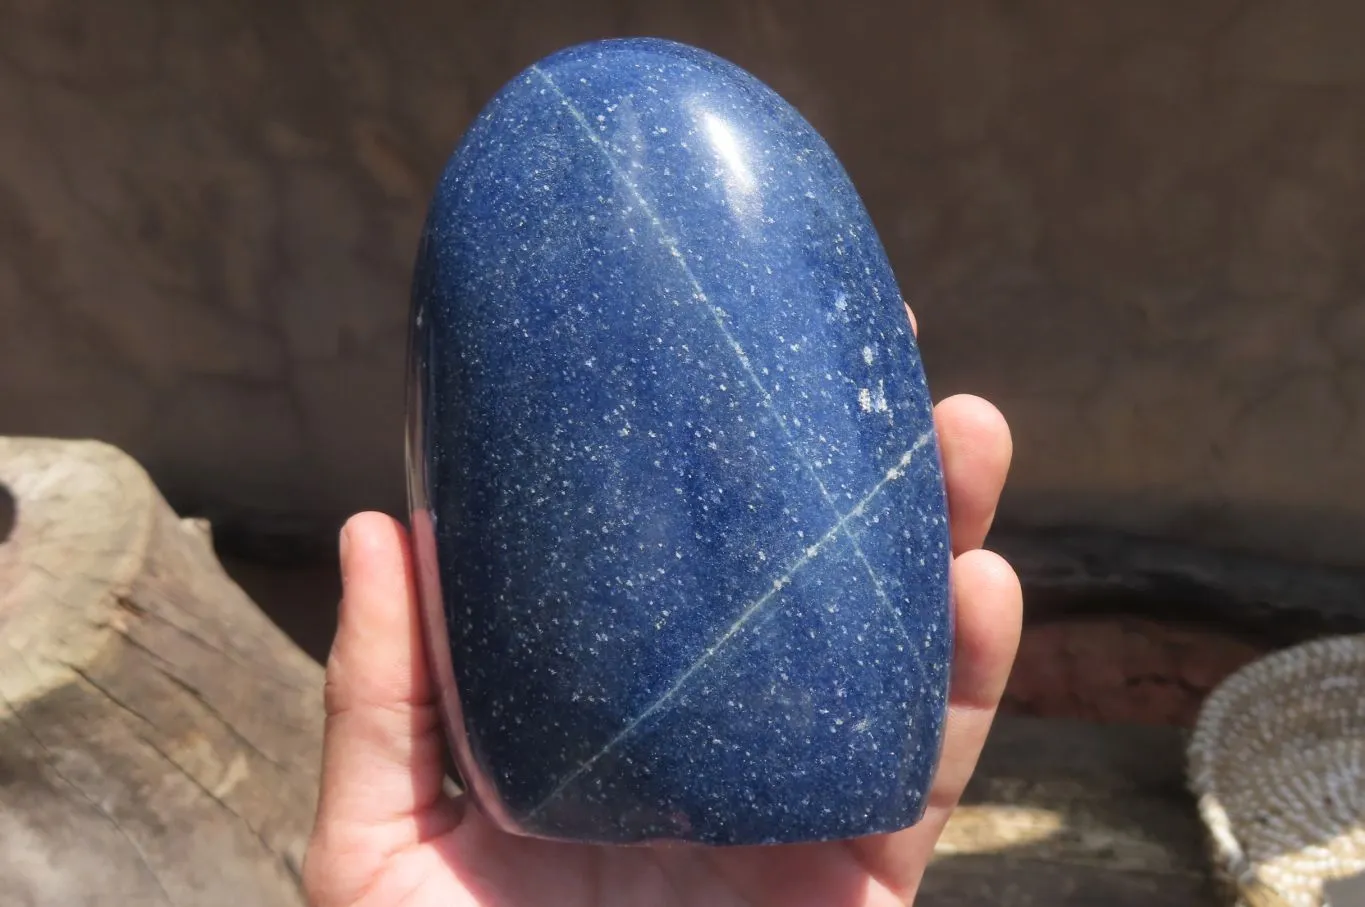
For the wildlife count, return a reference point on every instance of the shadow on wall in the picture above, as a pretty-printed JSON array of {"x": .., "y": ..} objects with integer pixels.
[
  {"x": 301, "y": 598},
  {"x": 1136, "y": 229},
  {"x": 1224, "y": 606}
]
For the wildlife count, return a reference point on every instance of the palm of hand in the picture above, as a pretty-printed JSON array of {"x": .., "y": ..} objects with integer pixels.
[
  {"x": 388, "y": 835},
  {"x": 475, "y": 864}
]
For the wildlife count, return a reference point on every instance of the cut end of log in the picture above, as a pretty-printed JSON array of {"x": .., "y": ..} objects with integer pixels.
[{"x": 148, "y": 709}]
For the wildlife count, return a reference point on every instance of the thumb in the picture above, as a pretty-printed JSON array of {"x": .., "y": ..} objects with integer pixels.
[{"x": 382, "y": 769}]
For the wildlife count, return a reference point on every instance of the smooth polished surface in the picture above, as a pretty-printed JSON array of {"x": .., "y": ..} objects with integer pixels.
[{"x": 677, "y": 496}]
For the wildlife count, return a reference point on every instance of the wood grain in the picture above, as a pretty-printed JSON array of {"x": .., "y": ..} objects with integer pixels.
[{"x": 159, "y": 737}]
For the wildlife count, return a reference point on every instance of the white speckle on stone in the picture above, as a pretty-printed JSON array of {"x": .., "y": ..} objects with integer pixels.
[
  {"x": 865, "y": 399},
  {"x": 869, "y": 354}
]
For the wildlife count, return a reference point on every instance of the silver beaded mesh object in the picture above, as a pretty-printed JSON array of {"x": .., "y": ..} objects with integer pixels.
[{"x": 1277, "y": 762}]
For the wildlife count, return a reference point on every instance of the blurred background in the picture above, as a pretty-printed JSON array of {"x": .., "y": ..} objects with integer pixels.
[{"x": 1138, "y": 228}]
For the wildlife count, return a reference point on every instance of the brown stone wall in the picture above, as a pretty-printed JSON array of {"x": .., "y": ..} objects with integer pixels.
[{"x": 1138, "y": 227}]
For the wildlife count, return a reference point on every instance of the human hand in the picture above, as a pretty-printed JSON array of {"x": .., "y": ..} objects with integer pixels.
[{"x": 388, "y": 834}]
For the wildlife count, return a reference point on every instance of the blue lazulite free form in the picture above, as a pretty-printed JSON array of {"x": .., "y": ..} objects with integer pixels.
[{"x": 678, "y": 509}]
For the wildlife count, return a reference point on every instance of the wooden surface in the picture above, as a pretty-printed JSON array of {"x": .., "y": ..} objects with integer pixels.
[
  {"x": 159, "y": 737},
  {"x": 1063, "y": 813}
]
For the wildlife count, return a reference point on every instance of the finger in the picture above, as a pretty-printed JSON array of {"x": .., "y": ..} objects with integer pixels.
[
  {"x": 989, "y": 615},
  {"x": 914, "y": 324},
  {"x": 382, "y": 749},
  {"x": 976, "y": 448},
  {"x": 989, "y": 611}
]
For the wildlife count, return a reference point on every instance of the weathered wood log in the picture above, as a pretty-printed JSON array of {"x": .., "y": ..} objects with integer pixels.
[{"x": 159, "y": 736}]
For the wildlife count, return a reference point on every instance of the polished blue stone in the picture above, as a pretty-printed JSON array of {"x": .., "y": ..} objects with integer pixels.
[{"x": 679, "y": 513}]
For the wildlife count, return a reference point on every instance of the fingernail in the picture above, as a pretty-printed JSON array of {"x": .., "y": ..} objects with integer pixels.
[{"x": 344, "y": 542}]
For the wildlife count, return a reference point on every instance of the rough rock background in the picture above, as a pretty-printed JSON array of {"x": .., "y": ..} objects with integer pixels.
[{"x": 1137, "y": 227}]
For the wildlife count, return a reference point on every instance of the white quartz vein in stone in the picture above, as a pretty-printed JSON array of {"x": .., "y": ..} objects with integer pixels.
[
  {"x": 718, "y": 316},
  {"x": 746, "y": 616}
]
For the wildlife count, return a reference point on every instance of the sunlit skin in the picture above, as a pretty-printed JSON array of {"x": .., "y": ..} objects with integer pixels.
[{"x": 388, "y": 835}]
